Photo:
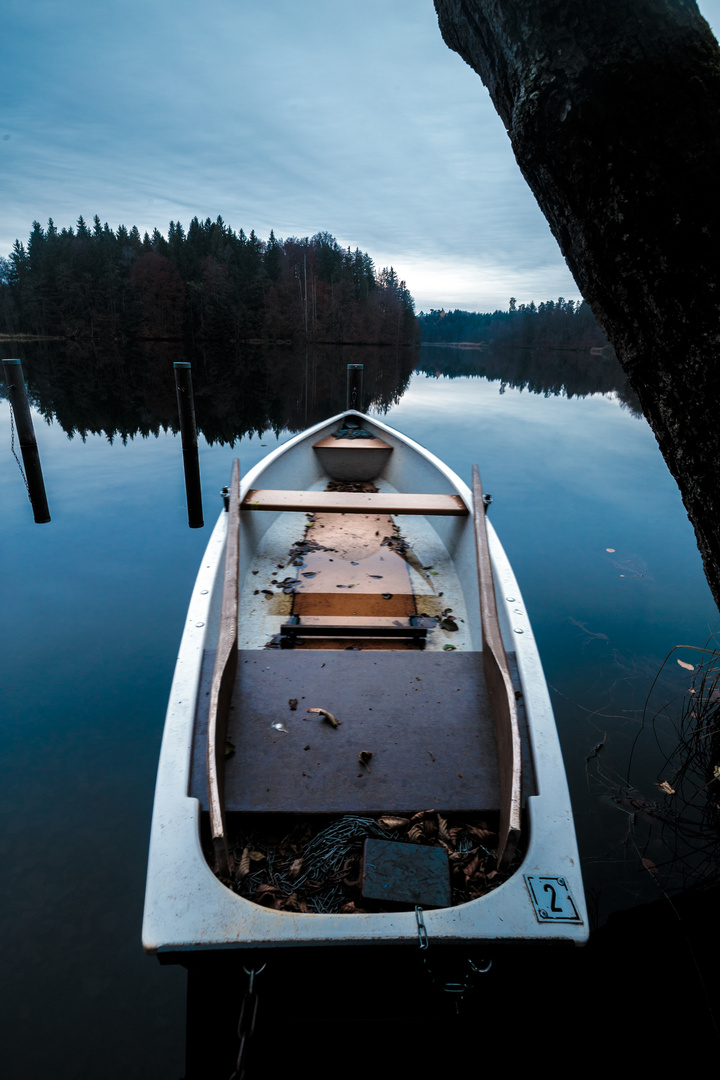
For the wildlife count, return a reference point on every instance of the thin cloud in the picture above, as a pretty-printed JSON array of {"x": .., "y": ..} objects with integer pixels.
[{"x": 298, "y": 117}]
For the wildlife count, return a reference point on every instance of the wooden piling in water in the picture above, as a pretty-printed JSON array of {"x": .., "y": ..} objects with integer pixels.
[
  {"x": 17, "y": 393},
  {"x": 188, "y": 434},
  {"x": 354, "y": 387}
]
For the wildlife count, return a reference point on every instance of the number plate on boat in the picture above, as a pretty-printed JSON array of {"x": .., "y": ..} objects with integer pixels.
[{"x": 552, "y": 899}]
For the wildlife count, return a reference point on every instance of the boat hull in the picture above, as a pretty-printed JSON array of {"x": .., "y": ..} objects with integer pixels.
[{"x": 188, "y": 908}]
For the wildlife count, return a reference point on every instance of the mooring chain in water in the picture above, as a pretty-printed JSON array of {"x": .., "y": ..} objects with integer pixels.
[
  {"x": 12, "y": 447},
  {"x": 456, "y": 988},
  {"x": 246, "y": 1023}
]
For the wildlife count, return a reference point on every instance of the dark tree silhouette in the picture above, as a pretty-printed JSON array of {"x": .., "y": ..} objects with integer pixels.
[
  {"x": 613, "y": 111},
  {"x": 209, "y": 284}
]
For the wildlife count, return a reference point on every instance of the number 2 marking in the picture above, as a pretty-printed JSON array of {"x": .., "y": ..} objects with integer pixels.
[
  {"x": 553, "y": 903},
  {"x": 552, "y": 899}
]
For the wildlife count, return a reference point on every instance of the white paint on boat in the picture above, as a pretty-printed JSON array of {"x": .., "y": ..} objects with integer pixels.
[{"x": 188, "y": 908}]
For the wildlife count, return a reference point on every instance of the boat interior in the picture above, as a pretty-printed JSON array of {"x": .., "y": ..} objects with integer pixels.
[{"x": 360, "y": 673}]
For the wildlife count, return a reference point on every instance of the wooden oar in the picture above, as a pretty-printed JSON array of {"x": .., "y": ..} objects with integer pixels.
[
  {"x": 224, "y": 679},
  {"x": 500, "y": 689}
]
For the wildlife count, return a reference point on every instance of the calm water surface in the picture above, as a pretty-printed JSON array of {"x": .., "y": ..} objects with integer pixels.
[{"x": 93, "y": 606}]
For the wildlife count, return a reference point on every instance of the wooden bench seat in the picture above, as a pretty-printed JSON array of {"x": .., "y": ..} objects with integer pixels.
[
  {"x": 354, "y": 502},
  {"x": 352, "y": 628}
]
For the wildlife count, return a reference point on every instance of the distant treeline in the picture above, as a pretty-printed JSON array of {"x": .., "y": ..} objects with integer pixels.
[
  {"x": 556, "y": 324},
  {"x": 209, "y": 284}
]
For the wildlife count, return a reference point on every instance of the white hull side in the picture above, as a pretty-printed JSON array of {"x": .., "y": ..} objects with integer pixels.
[{"x": 187, "y": 908}]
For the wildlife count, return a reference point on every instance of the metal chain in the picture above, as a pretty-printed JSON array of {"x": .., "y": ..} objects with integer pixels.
[
  {"x": 457, "y": 989},
  {"x": 12, "y": 447},
  {"x": 246, "y": 1023}
]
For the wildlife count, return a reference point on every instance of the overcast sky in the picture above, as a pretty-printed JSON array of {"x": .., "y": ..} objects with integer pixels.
[{"x": 353, "y": 118}]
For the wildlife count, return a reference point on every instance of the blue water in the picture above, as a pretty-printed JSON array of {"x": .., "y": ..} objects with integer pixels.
[{"x": 93, "y": 606}]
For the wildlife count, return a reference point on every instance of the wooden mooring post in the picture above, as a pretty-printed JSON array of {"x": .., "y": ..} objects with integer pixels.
[
  {"x": 188, "y": 434},
  {"x": 17, "y": 393},
  {"x": 354, "y": 387}
]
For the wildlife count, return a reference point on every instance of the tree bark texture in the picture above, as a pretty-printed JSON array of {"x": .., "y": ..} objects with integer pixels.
[{"x": 613, "y": 111}]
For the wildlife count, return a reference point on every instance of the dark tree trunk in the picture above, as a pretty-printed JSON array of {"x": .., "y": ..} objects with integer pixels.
[{"x": 613, "y": 111}]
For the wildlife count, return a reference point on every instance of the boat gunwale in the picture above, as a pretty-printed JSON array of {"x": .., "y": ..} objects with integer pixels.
[{"x": 187, "y": 908}]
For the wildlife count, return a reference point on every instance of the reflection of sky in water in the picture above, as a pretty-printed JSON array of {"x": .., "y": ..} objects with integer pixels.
[{"x": 93, "y": 610}]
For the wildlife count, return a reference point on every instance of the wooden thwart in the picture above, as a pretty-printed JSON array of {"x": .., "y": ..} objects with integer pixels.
[{"x": 354, "y": 502}]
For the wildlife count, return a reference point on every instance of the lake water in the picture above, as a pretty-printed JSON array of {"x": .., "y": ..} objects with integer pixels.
[{"x": 93, "y": 605}]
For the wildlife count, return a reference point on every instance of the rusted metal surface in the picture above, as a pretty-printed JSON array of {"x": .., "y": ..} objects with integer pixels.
[
  {"x": 223, "y": 679},
  {"x": 500, "y": 689},
  {"x": 405, "y": 873},
  {"x": 424, "y": 717}
]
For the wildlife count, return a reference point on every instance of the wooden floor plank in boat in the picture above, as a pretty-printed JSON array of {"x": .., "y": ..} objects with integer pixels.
[{"x": 424, "y": 717}]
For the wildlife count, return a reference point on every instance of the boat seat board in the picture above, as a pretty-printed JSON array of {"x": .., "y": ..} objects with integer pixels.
[
  {"x": 330, "y": 442},
  {"x": 427, "y": 725},
  {"x": 354, "y": 502}
]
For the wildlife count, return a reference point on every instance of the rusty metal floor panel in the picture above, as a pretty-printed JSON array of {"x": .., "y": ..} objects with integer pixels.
[{"x": 424, "y": 717}]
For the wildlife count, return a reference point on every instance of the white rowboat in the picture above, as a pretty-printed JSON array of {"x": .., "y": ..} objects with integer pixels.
[{"x": 398, "y": 614}]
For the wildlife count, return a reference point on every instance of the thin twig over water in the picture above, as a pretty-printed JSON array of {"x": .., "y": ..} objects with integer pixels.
[{"x": 686, "y": 808}]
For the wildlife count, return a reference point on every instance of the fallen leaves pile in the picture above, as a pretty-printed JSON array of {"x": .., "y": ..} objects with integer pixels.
[{"x": 316, "y": 867}]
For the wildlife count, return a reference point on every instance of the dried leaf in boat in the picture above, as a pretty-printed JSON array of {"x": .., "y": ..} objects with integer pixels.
[
  {"x": 389, "y": 822},
  {"x": 482, "y": 835},
  {"x": 471, "y": 867},
  {"x": 327, "y": 716},
  {"x": 443, "y": 831},
  {"x": 244, "y": 865}
]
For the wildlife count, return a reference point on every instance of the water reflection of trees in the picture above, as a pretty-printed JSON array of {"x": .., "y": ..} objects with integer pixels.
[
  {"x": 549, "y": 372},
  {"x": 123, "y": 392},
  {"x": 238, "y": 390}
]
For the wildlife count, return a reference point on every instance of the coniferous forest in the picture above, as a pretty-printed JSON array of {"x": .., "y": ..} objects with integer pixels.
[
  {"x": 555, "y": 324},
  {"x": 207, "y": 284}
]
